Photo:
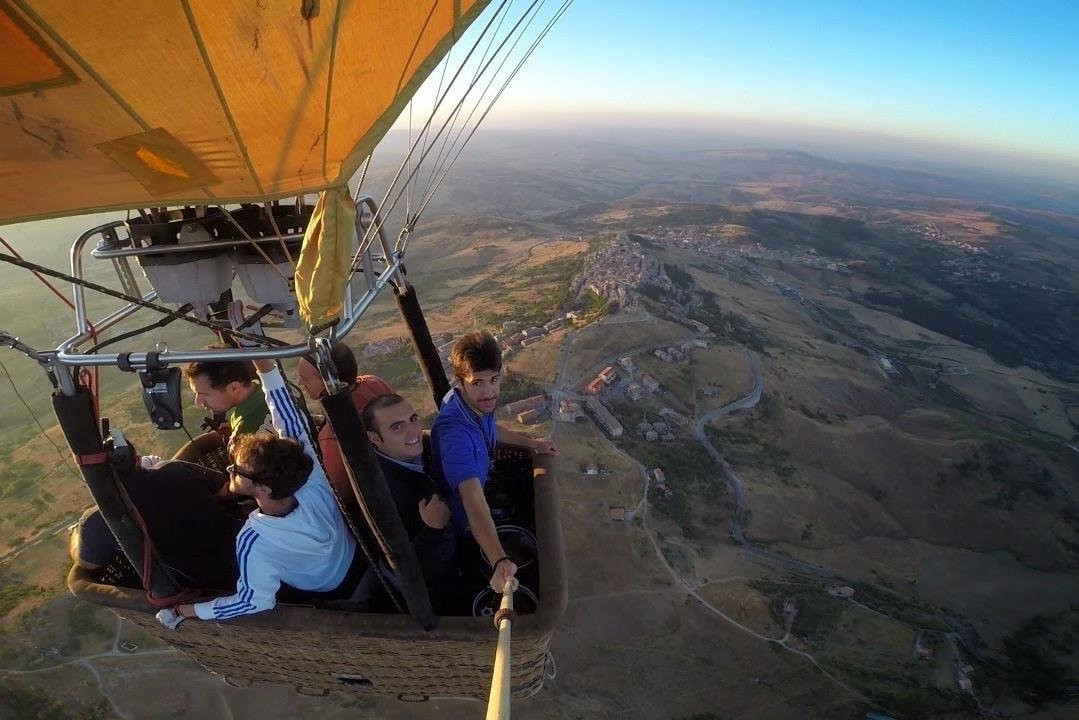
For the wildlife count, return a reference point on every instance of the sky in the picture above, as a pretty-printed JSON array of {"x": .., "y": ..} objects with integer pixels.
[{"x": 984, "y": 74}]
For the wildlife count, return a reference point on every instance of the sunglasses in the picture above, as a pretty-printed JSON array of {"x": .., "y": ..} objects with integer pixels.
[{"x": 240, "y": 472}]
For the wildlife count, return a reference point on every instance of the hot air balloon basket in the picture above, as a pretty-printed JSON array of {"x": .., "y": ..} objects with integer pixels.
[{"x": 383, "y": 655}]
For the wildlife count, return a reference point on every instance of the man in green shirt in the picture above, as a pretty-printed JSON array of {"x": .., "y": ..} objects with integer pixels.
[{"x": 232, "y": 388}]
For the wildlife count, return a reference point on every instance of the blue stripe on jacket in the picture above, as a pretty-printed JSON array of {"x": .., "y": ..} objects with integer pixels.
[
  {"x": 244, "y": 543},
  {"x": 285, "y": 405}
]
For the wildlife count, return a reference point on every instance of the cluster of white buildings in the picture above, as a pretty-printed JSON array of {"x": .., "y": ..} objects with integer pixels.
[
  {"x": 513, "y": 336},
  {"x": 604, "y": 417},
  {"x": 383, "y": 347},
  {"x": 653, "y": 432},
  {"x": 736, "y": 250},
  {"x": 662, "y": 428},
  {"x": 644, "y": 385},
  {"x": 671, "y": 354},
  {"x": 617, "y": 271}
]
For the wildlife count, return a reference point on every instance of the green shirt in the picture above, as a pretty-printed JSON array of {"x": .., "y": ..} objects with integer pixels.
[{"x": 251, "y": 414}]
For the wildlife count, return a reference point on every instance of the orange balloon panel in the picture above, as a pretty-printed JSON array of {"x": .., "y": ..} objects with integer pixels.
[{"x": 117, "y": 104}]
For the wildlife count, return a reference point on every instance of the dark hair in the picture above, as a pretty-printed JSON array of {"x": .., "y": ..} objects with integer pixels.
[
  {"x": 221, "y": 372},
  {"x": 377, "y": 403},
  {"x": 475, "y": 352},
  {"x": 278, "y": 463},
  {"x": 344, "y": 362}
]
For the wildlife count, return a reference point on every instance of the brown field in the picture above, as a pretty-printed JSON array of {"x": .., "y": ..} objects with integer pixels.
[
  {"x": 539, "y": 361},
  {"x": 992, "y": 590},
  {"x": 605, "y": 341},
  {"x": 745, "y": 605},
  {"x": 865, "y": 496},
  {"x": 790, "y": 206},
  {"x": 725, "y": 367},
  {"x": 960, "y": 223}
]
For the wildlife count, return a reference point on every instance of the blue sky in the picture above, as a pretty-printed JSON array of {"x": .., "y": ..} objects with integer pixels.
[{"x": 979, "y": 73}]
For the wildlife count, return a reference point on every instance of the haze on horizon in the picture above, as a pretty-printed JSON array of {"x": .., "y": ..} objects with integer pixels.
[{"x": 990, "y": 83}]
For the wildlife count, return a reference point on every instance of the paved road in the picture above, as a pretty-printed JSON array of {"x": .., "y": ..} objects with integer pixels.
[
  {"x": 41, "y": 537},
  {"x": 744, "y": 403},
  {"x": 738, "y": 489}
]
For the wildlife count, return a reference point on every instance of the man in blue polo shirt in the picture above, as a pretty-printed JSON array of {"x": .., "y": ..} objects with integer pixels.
[{"x": 463, "y": 440}]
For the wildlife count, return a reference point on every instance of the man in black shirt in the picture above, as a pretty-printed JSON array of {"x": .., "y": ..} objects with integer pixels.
[
  {"x": 192, "y": 532},
  {"x": 394, "y": 429}
]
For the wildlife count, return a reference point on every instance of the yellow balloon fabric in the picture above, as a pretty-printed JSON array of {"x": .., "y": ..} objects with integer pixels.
[{"x": 323, "y": 269}]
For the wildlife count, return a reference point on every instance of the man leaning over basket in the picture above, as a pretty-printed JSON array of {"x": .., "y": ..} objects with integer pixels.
[
  {"x": 296, "y": 538},
  {"x": 463, "y": 442}
]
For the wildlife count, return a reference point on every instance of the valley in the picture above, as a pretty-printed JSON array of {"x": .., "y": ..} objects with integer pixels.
[{"x": 884, "y": 399}]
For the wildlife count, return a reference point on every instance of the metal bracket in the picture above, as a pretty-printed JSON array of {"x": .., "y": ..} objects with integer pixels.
[
  {"x": 14, "y": 343},
  {"x": 58, "y": 375},
  {"x": 326, "y": 367}
]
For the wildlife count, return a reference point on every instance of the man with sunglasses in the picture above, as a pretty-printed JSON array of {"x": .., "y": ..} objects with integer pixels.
[{"x": 296, "y": 537}]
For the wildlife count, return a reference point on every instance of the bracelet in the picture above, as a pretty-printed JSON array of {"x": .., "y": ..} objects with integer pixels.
[{"x": 499, "y": 560}]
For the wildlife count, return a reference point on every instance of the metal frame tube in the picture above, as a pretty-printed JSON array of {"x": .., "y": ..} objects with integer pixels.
[
  {"x": 104, "y": 324},
  {"x": 78, "y": 293},
  {"x": 67, "y": 353},
  {"x": 101, "y": 254}
]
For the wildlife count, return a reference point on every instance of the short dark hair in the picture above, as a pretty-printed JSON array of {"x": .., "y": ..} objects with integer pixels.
[
  {"x": 278, "y": 463},
  {"x": 344, "y": 362},
  {"x": 476, "y": 352},
  {"x": 377, "y": 403},
  {"x": 221, "y": 372}
]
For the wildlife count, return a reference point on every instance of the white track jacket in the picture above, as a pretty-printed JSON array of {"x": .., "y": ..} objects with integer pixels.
[{"x": 311, "y": 548}]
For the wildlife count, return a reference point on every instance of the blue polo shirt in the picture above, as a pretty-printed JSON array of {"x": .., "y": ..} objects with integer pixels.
[{"x": 462, "y": 444}]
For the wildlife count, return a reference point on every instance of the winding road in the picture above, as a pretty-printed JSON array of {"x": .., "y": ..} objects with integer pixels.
[
  {"x": 641, "y": 510},
  {"x": 961, "y": 631},
  {"x": 738, "y": 488},
  {"x": 744, "y": 403}
]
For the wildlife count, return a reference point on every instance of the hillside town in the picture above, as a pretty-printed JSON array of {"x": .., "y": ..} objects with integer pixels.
[{"x": 618, "y": 271}]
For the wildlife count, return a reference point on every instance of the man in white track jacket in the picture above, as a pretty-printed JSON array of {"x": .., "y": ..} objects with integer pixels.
[{"x": 297, "y": 534}]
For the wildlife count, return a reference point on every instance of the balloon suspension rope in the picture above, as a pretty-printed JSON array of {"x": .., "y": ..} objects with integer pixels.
[{"x": 94, "y": 380}]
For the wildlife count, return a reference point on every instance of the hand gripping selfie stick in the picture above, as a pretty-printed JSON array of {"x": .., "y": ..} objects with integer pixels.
[{"x": 498, "y": 704}]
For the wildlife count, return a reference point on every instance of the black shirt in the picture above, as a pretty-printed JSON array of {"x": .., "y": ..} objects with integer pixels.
[
  {"x": 192, "y": 533},
  {"x": 435, "y": 549}
]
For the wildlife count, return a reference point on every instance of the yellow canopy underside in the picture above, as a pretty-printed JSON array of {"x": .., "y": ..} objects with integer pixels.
[{"x": 119, "y": 104}]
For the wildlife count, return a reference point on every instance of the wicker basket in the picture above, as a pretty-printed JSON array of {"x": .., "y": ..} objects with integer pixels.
[{"x": 322, "y": 651}]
